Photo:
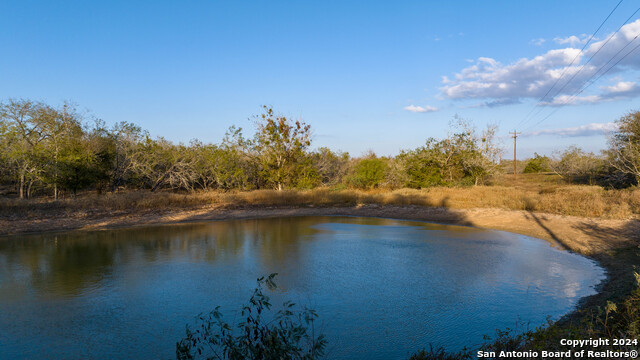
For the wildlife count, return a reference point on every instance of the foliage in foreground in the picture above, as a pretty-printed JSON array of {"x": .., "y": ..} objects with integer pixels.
[
  {"x": 289, "y": 334},
  {"x": 439, "y": 353},
  {"x": 286, "y": 335}
]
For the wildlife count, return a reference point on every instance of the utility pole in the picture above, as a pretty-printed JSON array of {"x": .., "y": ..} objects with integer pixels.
[{"x": 515, "y": 136}]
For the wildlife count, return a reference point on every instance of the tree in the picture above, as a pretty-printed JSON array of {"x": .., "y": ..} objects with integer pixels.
[
  {"x": 331, "y": 167},
  {"x": 424, "y": 166},
  {"x": 159, "y": 163},
  {"x": 368, "y": 173},
  {"x": 481, "y": 153},
  {"x": 76, "y": 165},
  {"x": 63, "y": 135},
  {"x": 282, "y": 146},
  {"x": 127, "y": 139},
  {"x": 100, "y": 142},
  {"x": 51, "y": 148},
  {"x": 574, "y": 164},
  {"x": 464, "y": 156},
  {"x": 624, "y": 145},
  {"x": 238, "y": 165},
  {"x": 4, "y": 151},
  {"x": 23, "y": 135},
  {"x": 537, "y": 164}
]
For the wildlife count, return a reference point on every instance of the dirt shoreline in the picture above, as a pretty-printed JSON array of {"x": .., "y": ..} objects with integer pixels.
[
  {"x": 614, "y": 244},
  {"x": 587, "y": 236}
]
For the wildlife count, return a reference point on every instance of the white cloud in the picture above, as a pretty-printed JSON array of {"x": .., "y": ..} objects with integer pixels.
[
  {"x": 497, "y": 103},
  {"x": 621, "y": 90},
  {"x": 501, "y": 84},
  {"x": 488, "y": 78},
  {"x": 572, "y": 40},
  {"x": 613, "y": 43},
  {"x": 537, "y": 42},
  {"x": 562, "y": 100},
  {"x": 592, "y": 129},
  {"x": 621, "y": 87},
  {"x": 420, "y": 109}
]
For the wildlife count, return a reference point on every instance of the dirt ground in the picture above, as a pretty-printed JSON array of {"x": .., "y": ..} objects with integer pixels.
[
  {"x": 587, "y": 236},
  {"x": 615, "y": 244}
]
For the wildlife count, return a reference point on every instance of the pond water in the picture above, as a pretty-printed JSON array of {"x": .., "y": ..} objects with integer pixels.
[{"x": 382, "y": 288}]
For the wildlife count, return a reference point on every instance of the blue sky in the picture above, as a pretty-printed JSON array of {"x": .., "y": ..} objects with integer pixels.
[{"x": 366, "y": 75}]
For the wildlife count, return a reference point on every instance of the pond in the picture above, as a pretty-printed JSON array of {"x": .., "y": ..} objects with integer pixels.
[{"x": 382, "y": 288}]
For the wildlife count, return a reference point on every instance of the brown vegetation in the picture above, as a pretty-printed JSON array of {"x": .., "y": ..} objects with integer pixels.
[
  {"x": 57, "y": 167},
  {"x": 574, "y": 200},
  {"x": 604, "y": 225}
]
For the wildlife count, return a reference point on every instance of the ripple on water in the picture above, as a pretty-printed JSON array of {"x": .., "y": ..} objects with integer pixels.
[{"x": 383, "y": 288}]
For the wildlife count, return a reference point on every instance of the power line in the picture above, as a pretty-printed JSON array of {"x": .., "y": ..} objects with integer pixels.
[
  {"x": 591, "y": 82},
  {"x": 524, "y": 120},
  {"x": 592, "y": 57},
  {"x": 619, "y": 51},
  {"x": 589, "y": 60}
]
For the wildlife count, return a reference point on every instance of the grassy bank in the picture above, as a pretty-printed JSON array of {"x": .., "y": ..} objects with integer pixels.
[
  {"x": 590, "y": 220},
  {"x": 573, "y": 200}
]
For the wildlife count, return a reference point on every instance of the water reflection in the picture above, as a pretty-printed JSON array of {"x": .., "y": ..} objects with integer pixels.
[
  {"x": 398, "y": 285},
  {"x": 65, "y": 264}
]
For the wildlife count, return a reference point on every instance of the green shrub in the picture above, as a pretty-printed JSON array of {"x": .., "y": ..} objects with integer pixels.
[
  {"x": 368, "y": 173},
  {"x": 440, "y": 354},
  {"x": 537, "y": 164},
  {"x": 286, "y": 335}
]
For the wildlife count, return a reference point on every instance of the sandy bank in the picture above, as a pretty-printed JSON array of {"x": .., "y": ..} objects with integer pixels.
[
  {"x": 584, "y": 235},
  {"x": 615, "y": 244}
]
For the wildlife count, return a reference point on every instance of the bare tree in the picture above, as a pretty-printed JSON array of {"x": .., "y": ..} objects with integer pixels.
[
  {"x": 625, "y": 145},
  {"x": 160, "y": 163},
  {"x": 574, "y": 164},
  {"x": 127, "y": 138}
]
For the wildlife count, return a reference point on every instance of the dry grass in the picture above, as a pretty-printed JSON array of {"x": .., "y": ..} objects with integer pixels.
[
  {"x": 605, "y": 240},
  {"x": 529, "y": 181},
  {"x": 546, "y": 197}
]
